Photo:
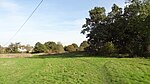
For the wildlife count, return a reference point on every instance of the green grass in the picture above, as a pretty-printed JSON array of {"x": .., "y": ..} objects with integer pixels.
[{"x": 74, "y": 70}]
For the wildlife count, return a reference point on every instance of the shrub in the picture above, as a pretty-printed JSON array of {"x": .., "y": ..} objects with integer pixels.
[
  {"x": 39, "y": 48},
  {"x": 70, "y": 48},
  {"x": 108, "y": 48},
  {"x": 51, "y": 46},
  {"x": 60, "y": 48},
  {"x": 83, "y": 46}
]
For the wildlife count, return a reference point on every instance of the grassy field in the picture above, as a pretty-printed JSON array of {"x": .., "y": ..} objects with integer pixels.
[{"x": 74, "y": 70}]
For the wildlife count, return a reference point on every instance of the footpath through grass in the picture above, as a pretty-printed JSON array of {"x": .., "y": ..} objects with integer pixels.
[{"x": 76, "y": 70}]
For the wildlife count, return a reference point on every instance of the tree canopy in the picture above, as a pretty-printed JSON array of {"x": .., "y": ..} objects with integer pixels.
[
  {"x": 39, "y": 48},
  {"x": 83, "y": 46},
  {"x": 127, "y": 28}
]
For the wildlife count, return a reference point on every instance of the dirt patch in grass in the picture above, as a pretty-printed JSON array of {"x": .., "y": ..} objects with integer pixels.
[{"x": 19, "y": 55}]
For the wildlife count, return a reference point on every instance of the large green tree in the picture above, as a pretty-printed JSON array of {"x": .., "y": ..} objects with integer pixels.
[{"x": 127, "y": 29}]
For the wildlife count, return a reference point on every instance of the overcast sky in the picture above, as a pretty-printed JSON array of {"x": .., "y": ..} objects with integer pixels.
[{"x": 55, "y": 20}]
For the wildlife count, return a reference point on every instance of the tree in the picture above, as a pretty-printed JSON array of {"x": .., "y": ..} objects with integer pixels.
[
  {"x": 13, "y": 48},
  {"x": 39, "y": 48},
  {"x": 51, "y": 46},
  {"x": 60, "y": 48},
  {"x": 2, "y": 49},
  {"x": 70, "y": 48},
  {"x": 75, "y": 46},
  {"x": 83, "y": 46},
  {"x": 129, "y": 31}
]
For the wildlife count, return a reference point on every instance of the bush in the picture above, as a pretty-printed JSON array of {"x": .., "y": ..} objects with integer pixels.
[
  {"x": 51, "y": 46},
  {"x": 83, "y": 46},
  {"x": 75, "y": 46},
  {"x": 70, "y": 48},
  {"x": 146, "y": 55},
  {"x": 108, "y": 48},
  {"x": 39, "y": 48},
  {"x": 60, "y": 48}
]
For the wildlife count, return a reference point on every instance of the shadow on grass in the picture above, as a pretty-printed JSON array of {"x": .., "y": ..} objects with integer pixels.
[
  {"x": 79, "y": 54},
  {"x": 64, "y": 55}
]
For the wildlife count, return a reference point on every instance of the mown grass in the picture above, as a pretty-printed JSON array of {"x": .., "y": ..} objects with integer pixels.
[{"x": 74, "y": 70}]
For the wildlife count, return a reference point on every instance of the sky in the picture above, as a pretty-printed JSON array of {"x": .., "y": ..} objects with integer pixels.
[{"x": 55, "y": 20}]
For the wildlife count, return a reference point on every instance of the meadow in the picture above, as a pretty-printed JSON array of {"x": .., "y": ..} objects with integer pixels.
[{"x": 74, "y": 70}]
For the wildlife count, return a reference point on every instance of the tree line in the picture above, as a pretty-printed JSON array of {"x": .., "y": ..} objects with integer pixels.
[
  {"x": 16, "y": 48},
  {"x": 121, "y": 31},
  {"x": 54, "y": 48},
  {"x": 48, "y": 47}
]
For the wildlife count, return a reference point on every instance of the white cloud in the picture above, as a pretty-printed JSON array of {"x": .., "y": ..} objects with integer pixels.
[
  {"x": 9, "y": 6},
  {"x": 10, "y": 15}
]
